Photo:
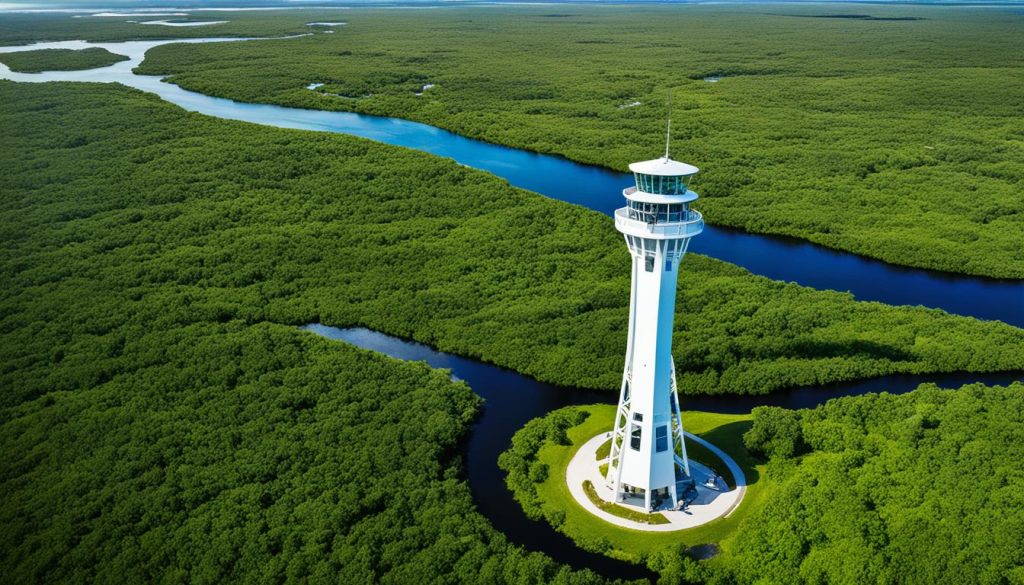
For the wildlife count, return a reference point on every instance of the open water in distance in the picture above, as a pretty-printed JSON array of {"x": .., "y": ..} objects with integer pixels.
[
  {"x": 600, "y": 189},
  {"x": 511, "y": 400}
]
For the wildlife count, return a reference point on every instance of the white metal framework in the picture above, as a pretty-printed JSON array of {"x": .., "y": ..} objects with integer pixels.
[{"x": 647, "y": 439}]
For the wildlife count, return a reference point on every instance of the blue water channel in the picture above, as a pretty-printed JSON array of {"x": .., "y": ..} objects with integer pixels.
[
  {"x": 512, "y": 399},
  {"x": 779, "y": 258}
]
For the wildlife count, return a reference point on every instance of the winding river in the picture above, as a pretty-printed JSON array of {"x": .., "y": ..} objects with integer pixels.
[
  {"x": 513, "y": 399},
  {"x": 600, "y": 189}
]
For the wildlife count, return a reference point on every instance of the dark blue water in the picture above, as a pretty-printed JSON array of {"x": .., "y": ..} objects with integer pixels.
[
  {"x": 511, "y": 400},
  {"x": 599, "y": 189},
  {"x": 779, "y": 258}
]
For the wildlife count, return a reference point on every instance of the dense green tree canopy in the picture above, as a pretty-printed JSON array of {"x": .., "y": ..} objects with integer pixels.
[
  {"x": 249, "y": 454},
  {"x": 925, "y": 488},
  {"x": 154, "y": 425},
  {"x": 162, "y": 419},
  {"x": 119, "y": 209},
  {"x": 59, "y": 59},
  {"x": 889, "y": 137}
]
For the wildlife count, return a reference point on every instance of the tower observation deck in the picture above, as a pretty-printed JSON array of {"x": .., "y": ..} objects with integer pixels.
[{"x": 647, "y": 441}]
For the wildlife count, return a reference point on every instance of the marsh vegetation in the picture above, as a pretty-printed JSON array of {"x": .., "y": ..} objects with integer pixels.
[
  {"x": 296, "y": 227},
  {"x": 885, "y": 136},
  {"x": 59, "y": 59},
  {"x": 152, "y": 278},
  {"x": 163, "y": 418},
  {"x": 872, "y": 488}
]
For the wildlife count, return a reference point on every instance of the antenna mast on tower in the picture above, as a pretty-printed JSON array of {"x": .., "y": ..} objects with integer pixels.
[{"x": 668, "y": 131}]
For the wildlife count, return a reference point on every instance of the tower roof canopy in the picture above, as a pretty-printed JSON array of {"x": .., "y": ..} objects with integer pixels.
[{"x": 664, "y": 167}]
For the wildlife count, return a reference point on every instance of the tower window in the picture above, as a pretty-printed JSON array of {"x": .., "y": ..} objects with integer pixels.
[
  {"x": 638, "y": 417},
  {"x": 661, "y": 185},
  {"x": 668, "y": 266},
  {"x": 661, "y": 438},
  {"x": 649, "y": 263},
  {"x": 634, "y": 438}
]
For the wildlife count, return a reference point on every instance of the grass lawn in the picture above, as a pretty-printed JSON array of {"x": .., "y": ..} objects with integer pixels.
[{"x": 725, "y": 431}]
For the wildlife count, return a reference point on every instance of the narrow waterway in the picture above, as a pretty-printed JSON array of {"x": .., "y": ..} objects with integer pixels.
[
  {"x": 511, "y": 400},
  {"x": 779, "y": 258}
]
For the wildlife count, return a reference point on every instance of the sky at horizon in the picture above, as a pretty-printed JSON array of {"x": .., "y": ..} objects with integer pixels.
[{"x": 142, "y": 5}]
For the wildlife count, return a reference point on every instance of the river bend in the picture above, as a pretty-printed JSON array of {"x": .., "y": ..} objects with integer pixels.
[
  {"x": 779, "y": 258},
  {"x": 513, "y": 399}
]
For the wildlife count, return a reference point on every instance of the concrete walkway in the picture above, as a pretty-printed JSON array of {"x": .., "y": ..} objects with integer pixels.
[{"x": 709, "y": 504}]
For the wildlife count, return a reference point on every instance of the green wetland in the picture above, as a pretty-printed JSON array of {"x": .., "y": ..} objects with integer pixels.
[
  {"x": 59, "y": 59},
  {"x": 163, "y": 419},
  {"x": 896, "y": 139},
  {"x": 866, "y": 489},
  {"x": 299, "y": 227},
  {"x": 148, "y": 265}
]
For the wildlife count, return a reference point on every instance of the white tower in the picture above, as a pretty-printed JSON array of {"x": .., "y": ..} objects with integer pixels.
[{"x": 647, "y": 441}]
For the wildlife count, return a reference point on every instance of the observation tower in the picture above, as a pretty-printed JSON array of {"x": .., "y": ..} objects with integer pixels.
[{"x": 647, "y": 441}]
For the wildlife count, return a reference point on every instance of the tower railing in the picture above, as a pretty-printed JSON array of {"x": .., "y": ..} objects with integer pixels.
[
  {"x": 691, "y": 226},
  {"x": 662, "y": 216},
  {"x": 632, "y": 190}
]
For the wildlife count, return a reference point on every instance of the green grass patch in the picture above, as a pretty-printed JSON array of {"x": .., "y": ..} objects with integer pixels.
[
  {"x": 59, "y": 59},
  {"x": 603, "y": 451},
  {"x": 553, "y": 440},
  {"x": 621, "y": 511}
]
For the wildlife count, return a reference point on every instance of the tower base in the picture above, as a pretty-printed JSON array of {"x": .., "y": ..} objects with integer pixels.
[
  {"x": 706, "y": 501},
  {"x": 679, "y": 460}
]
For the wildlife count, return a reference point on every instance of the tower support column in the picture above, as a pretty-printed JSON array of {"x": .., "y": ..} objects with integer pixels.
[{"x": 647, "y": 442}]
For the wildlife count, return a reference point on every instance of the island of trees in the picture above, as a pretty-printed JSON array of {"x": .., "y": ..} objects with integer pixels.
[
  {"x": 59, "y": 59},
  {"x": 924, "y": 487}
]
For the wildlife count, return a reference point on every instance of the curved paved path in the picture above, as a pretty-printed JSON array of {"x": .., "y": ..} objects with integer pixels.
[{"x": 585, "y": 465}]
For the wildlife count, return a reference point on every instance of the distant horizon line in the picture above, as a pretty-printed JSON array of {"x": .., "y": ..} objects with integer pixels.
[{"x": 144, "y": 6}]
